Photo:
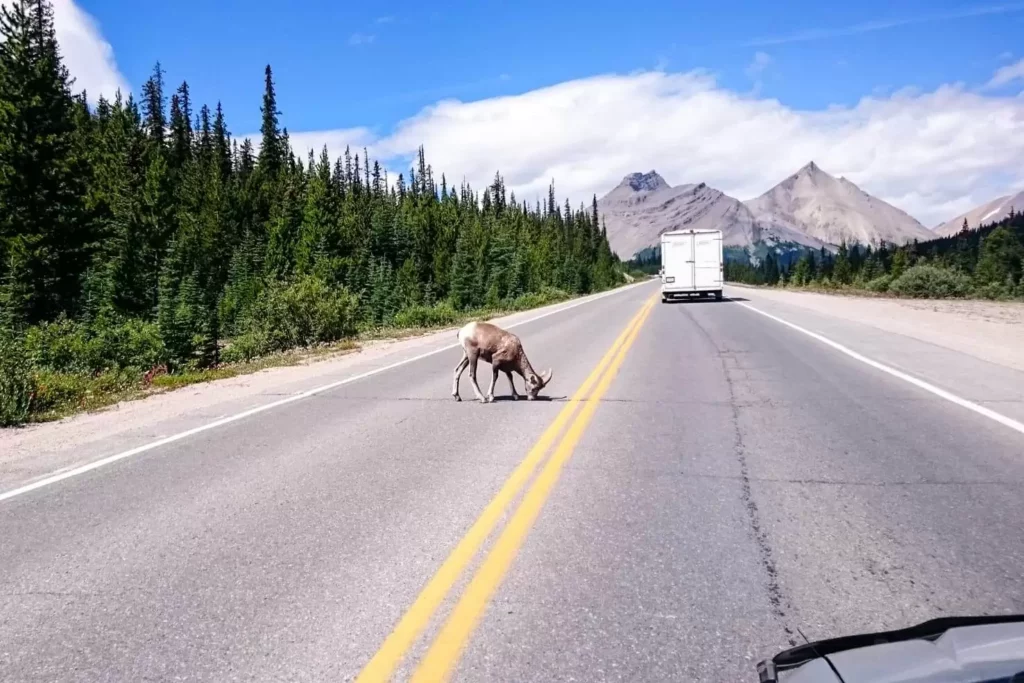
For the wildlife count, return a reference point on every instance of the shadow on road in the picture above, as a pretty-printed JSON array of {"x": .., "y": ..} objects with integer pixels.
[
  {"x": 508, "y": 397},
  {"x": 704, "y": 300}
]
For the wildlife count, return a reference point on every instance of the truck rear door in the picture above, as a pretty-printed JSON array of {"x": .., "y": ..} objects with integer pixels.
[
  {"x": 707, "y": 270},
  {"x": 678, "y": 262}
]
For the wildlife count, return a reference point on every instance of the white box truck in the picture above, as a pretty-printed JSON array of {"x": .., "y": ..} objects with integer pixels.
[{"x": 691, "y": 264}]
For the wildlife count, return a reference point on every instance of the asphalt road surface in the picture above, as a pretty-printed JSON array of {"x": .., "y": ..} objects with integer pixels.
[{"x": 721, "y": 483}]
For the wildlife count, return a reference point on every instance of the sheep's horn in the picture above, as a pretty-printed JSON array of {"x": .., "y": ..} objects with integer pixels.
[{"x": 545, "y": 377}]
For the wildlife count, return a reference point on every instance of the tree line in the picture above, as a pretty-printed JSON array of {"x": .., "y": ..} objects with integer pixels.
[
  {"x": 138, "y": 232},
  {"x": 987, "y": 262}
]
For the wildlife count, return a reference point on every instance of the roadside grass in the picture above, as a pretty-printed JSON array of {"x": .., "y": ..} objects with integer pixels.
[
  {"x": 60, "y": 394},
  {"x": 57, "y": 395}
]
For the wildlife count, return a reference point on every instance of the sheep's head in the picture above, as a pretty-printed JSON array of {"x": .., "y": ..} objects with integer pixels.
[{"x": 534, "y": 383}]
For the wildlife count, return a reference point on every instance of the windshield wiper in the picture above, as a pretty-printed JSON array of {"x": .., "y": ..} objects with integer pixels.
[{"x": 801, "y": 654}]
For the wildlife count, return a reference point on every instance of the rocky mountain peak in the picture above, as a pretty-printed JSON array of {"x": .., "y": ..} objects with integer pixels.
[{"x": 644, "y": 182}]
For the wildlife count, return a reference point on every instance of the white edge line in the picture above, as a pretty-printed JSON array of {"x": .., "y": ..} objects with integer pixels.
[
  {"x": 921, "y": 384},
  {"x": 96, "y": 464}
]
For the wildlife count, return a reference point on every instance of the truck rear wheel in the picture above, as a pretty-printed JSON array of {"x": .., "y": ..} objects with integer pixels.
[{"x": 718, "y": 295}]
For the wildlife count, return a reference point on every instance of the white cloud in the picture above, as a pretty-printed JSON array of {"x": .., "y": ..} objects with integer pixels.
[
  {"x": 357, "y": 39},
  {"x": 336, "y": 140},
  {"x": 384, "y": 20},
  {"x": 87, "y": 55},
  {"x": 1007, "y": 74},
  {"x": 930, "y": 153}
]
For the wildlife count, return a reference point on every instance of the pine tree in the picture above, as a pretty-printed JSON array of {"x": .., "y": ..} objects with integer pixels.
[
  {"x": 205, "y": 128},
  {"x": 842, "y": 272},
  {"x": 153, "y": 103},
  {"x": 123, "y": 277},
  {"x": 316, "y": 246},
  {"x": 180, "y": 149},
  {"x": 272, "y": 146},
  {"x": 46, "y": 235},
  {"x": 900, "y": 262},
  {"x": 1000, "y": 261},
  {"x": 464, "y": 280}
]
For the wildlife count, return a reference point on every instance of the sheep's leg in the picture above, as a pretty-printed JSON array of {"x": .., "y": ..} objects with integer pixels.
[
  {"x": 458, "y": 373},
  {"x": 473, "y": 358},
  {"x": 494, "y": 380},
  {"x": 515, "y": 396}
]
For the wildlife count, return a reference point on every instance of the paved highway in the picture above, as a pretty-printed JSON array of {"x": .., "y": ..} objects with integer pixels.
[{"x": 703, "y": 484}]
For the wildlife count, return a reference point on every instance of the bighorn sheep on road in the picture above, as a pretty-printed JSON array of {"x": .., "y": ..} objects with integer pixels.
[{"x": 504, "y": 352}]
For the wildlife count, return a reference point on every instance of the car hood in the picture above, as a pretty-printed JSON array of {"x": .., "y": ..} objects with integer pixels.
[{"x": 981, "y": 654}]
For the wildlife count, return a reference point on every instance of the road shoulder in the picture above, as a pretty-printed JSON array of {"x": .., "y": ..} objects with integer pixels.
[
  {"x": 974, "y": 350},
  {"x": 991, "y": 331}
]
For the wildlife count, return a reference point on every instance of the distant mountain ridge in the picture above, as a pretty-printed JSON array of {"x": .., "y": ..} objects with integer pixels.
[
  {"x": 989, "y": 212},
  {"x": 643, "y": 206},
  {"x": 809, "y": 208},
  {"x": 834, "y": 210}
]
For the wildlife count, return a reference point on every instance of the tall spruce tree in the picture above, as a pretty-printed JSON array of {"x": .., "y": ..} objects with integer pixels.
[
  {"x": 46, "y": 232},
  {"x": 272, "y": 146}
]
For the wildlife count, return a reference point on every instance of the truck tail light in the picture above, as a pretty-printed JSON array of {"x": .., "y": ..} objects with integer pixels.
[{"x": 669, "y": 278}]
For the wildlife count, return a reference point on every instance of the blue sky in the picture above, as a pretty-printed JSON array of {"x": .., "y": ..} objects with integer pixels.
[
  {"x": 331, "y": 73},
  {"x": 919, "y": 103}
]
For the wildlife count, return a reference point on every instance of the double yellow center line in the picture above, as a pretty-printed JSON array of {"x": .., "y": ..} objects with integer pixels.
[{"x": 447, "y": 647}]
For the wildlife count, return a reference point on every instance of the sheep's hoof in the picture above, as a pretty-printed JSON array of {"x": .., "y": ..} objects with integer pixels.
[
  {"x": 489, "y": 399},
  {"x": 457, "y": 397},
  {"x": 515, "y": 397}
]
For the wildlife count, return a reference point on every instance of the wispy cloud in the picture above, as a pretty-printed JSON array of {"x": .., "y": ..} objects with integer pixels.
[
  {"x": 1006, "y": 75},
  {"x": 384, "y": 20},
  {"x": 886, "y": 24},
  {"x": 441, "y": 92},
  {"x": 756, "y": 69},
  {"x": 762, "y": 60},
  {"x": 357, "y": 39}
]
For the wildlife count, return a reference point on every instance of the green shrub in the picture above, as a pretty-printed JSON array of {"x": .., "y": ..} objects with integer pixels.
[
  {"x": 130, "y": 343},
  {"x": 994, "y": 290},
  {"x": 247, "y": 346},
  {"x": 16, "y": 385},
  {"x": 61, "y": 346},
  {"x": 439, "y": 315},
  {"x": 879, "y": 284},
  {"x": 929, "y": 282},
  {"x": 57, "y": 392},
  {"x": 547, "y": 295},
  {"x": 68, "y": 346},
  {"x": 300, "y": 314}
]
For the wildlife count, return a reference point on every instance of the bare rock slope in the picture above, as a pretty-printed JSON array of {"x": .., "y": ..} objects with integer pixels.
[
  {"x": 643, "y": 206},
  {"x": 990, "y": 212},
  {"x": 834, "y": 210}
]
